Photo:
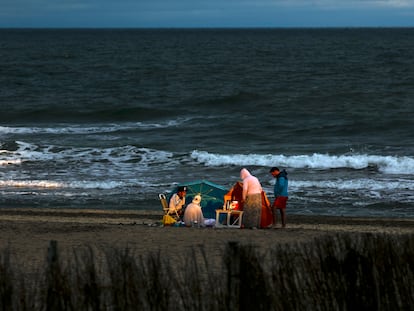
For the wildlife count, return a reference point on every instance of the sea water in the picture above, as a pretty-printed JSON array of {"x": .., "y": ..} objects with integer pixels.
[{"x": 109, "y": 118}]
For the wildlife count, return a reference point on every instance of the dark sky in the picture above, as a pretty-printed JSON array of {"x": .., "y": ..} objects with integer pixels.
[{"x": 203, "y": 13}]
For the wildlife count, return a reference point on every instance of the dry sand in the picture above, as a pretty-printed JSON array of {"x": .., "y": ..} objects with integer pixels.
[{"x": 27, "y": 232}]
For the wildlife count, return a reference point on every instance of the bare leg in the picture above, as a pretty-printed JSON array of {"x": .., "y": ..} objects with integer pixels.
[
  {"x": 274, "y": 213},
  {"x": 283, "y": 216}
]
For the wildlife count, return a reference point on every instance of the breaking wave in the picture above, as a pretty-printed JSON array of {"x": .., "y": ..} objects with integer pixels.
[{"x": 317, "y": 161}]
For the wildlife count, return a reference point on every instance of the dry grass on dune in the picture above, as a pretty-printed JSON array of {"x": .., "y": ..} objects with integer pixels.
[
  {"x": 97, "y": 260},
  {"x": 340, "y": 272}
]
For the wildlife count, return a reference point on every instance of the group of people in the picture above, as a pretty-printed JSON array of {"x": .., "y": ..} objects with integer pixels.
[
  {"x": 252, "y": 197},
  {"x": 251, "y": 201},
  {"x": 192, "y": 215}
]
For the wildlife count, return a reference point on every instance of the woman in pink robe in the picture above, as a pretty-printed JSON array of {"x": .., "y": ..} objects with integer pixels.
[{"x": 252, "y": 200}]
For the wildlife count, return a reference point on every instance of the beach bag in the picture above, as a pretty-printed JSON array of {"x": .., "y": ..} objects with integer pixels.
[{"x": 168, "y": 220}]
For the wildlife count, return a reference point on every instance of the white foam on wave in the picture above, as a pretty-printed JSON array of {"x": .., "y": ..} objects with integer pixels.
[
  {"x": 31, "y": 184},
  {"x": 77, "y": 129},
  {"x": 354, "y": 184},
  {"x": 104, "y": 185},
  {"x": 317, "y": 161},
  {"x": 79, "y": 184},
  {"x": 115, "y": 155},
  {"x": 68, "y": 129},
  {"x": 359, "y": 192},
  {"x": 10, "y": 162},
  {"x": 108, "y": 184}
]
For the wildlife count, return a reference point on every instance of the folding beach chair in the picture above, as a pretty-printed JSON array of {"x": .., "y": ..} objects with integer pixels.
[{"x": 166, "y": 208}]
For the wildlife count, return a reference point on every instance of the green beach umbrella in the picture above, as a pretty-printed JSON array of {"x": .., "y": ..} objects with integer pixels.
[{"x": 212, "y": 195}]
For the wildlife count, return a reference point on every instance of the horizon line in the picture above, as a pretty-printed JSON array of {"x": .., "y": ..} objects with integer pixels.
[{"x": 201, "y": 28}]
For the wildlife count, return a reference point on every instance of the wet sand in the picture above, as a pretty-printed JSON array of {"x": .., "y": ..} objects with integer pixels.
[{"x": 28, "y": 232}]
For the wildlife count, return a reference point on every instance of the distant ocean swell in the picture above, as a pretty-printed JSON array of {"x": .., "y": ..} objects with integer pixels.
[{"x": 66, "y": 115}]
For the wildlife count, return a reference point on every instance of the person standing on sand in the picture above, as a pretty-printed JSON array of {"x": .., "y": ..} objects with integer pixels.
[
  {"x": 251, "y": 199},
  {"x": 177, "y": 201},
  {"x": 281, "y": 195}
]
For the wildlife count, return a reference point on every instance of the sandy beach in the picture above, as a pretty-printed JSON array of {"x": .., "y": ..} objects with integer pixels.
[{"x": 28, "y": 232}]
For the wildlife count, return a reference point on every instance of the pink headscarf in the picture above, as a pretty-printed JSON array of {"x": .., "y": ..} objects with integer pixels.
[{"x": 251, "y": 184}]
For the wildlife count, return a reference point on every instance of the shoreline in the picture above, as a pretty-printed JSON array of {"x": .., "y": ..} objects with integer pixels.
[{"x": 153, "y": 217}]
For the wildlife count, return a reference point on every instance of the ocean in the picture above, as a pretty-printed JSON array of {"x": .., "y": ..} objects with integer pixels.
[{"x": 110, "y": 118}]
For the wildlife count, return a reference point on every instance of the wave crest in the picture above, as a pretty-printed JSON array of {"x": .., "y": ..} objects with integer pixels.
[{"x": 317, "y": 161}]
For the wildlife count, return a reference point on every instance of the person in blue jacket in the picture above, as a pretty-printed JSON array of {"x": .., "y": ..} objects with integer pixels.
[{"x": 281, "y": 195}]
